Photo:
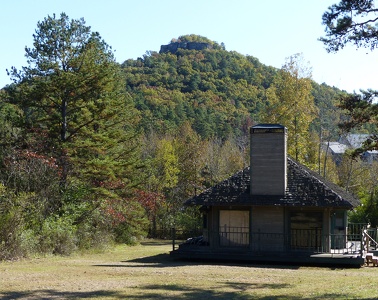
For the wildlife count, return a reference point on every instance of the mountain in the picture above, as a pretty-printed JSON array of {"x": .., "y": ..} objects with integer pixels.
[{"x": 196, "y": 80}]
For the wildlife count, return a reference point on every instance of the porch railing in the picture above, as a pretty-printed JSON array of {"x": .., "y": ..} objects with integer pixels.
[
  {"x": 295, "y": 241},
  {"x": 234, "y": 236},
  {"x": 369, "y": 242}
]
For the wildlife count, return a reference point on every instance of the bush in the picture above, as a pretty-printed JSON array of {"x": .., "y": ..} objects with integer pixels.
[
  {"x": 92, "y": 235},
  {"x": 29, "y": 242},
  {"x": 58, "y": 236},
  {"x": 12, "y": 223},
  {"x": 128, "y": 234}
]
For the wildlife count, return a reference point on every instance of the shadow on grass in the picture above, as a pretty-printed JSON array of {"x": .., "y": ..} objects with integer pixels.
[
  {"x": 241, "y": 291},
  {"x": 156, "y": 261},
  {"x": 164, "y": 260},
  {"x": 53, "y": 294},
  {"x": 156, "y": 242}
]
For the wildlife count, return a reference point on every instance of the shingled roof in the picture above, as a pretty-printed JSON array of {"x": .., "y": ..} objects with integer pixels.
[{"x": 305, "y": 188}]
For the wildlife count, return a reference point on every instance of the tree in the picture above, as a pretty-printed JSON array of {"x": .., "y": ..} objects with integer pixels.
[
  {"x": 189, "y": 149},
  {"x": 350, "y": 22},
  {"x": 366, "y": 183},
  {"x": 354, "y": 22},
  {"x": 61, "y": 74},
  {"x": 291, "y": 104},
  {"x": 10, "y": 126},
  {"x": 73, "y": 91},
  {"x": 361, "y": 110},
  {"x": 72, "y": 88}
]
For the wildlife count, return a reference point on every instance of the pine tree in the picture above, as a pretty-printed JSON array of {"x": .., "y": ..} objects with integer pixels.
[{"x": 72, "y": 89}]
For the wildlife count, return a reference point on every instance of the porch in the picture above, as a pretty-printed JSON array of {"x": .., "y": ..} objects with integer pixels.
[{"x": 296, "y": 247}]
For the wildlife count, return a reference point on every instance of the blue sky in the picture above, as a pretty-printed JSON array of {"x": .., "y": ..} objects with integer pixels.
[{"x": 268, "y": 30}]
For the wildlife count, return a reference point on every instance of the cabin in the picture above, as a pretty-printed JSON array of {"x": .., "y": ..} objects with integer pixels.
[
  {"x": 350, "y": 142},
  {"x": 276, "y": 210},
  {"x": 336, "y": 150}
]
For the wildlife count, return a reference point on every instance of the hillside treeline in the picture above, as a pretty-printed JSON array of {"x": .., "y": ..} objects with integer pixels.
[
  {"x": 95, "y": 152},
  {"x": 221, "y": 93}
]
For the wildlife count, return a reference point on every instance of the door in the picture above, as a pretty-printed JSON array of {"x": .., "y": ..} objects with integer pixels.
[
  {"x": 338, "y": 230},
  {"x": 234, "y": 228}
]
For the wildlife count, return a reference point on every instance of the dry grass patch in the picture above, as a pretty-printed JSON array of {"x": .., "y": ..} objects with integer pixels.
[{"x": 147, "y": 272}]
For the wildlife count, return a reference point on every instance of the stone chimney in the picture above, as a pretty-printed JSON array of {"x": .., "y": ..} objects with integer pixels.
[{"x": 268, "y": 159}]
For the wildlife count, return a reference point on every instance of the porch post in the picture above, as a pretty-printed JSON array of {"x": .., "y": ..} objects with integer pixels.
[
  {"x": 250, "y": 228},
  {"x": 173, "y": 231}
]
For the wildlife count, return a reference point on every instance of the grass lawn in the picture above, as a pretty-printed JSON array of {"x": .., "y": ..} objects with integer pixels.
[{"x": 147, "y": 272}]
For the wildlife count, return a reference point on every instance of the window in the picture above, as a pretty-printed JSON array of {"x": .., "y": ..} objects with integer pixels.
[{"x": 306, "y": 230}]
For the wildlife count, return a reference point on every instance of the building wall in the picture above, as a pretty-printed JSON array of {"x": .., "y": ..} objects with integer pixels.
[
  {"x": 268, "y": 229},
  {"x": 268, "y": 219}
]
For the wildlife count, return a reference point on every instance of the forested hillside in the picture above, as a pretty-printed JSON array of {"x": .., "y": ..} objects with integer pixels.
[
  {"x": 221, "y": 93},
  {"x": 95, "y": 152}
]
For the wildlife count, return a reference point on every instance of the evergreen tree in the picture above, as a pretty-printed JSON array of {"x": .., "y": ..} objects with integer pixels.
[
  {"x": 72, "y": 90},
  {"x": 355, "y": 22},
  {"x": 350, "y": 22}
]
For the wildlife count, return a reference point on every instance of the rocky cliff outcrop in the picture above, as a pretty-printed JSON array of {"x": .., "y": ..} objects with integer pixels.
[{"x": 173, "y": 47}]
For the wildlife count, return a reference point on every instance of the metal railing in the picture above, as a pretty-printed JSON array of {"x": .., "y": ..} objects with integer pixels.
[
  {"x": 234, "y": 236},
  {"x": 309, "y": 240},
  {"x": 369, "y": 243}
]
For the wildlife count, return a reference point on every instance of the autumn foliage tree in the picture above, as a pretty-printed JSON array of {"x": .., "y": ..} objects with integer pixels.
[{"x": 290, "y": 103}]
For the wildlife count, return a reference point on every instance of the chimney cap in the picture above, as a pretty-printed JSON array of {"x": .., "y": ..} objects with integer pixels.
[{"x": 268, "y": 128}]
